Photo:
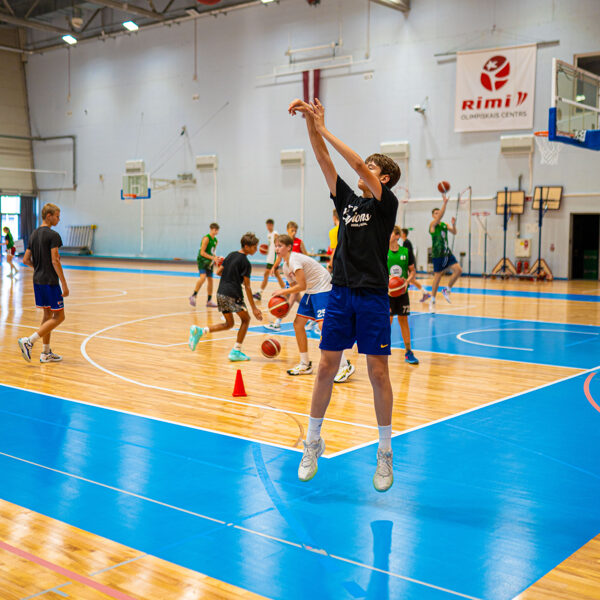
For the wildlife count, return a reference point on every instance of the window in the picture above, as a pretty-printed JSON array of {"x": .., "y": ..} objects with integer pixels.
[
  {"x": 10, "y": 207},
  {"x": 590, "y": 62}
]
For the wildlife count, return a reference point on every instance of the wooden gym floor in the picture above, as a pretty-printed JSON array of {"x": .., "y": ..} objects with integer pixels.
[{"x": 124, "y": 344}]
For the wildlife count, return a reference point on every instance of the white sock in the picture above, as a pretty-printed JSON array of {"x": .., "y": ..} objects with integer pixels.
[
  {"x": 33, "y": 338},
  {"x": 205, "y": 330},
  {"x": 342, "y": 361},
  {"x": 385, "y": 437},
  {"x": 237, "y": 346},
  {"x": 277, "y": 321},
  {"x": 46, "y": 348},
  {"x": 304, "y": 358},
  {"x": 314, "y": 429}
]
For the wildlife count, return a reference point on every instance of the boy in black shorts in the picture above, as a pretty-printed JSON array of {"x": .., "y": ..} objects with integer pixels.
[
  {"x": 358, "y": 309},
  {"x": 42, "y": 255},
  {"x": 401, "y": 263},
  {"x": 234, "y": 272}
]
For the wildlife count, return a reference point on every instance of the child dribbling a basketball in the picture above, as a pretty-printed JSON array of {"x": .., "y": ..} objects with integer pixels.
[
  {"x": 358, "y": 309},
  {"x": 234, "y": 272}
]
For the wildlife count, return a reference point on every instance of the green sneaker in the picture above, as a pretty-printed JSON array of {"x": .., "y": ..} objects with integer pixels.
[
  {"x": 195, "y": 334},
  {"x": 238, "y": 355}
]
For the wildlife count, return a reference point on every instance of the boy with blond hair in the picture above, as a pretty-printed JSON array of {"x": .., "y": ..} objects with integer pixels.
[{"x": 42, "y": 255}]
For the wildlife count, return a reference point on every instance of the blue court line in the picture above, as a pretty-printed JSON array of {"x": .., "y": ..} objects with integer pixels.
[
  {"x": 533, "y": 342},
  {"x": 457, "y": 290},
  {"x": 483, "y": 505}
]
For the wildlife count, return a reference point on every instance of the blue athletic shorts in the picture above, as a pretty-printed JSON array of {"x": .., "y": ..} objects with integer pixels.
[
  {"x": 443, "y": 262},
  {"x": 360, "y": 315},
  {"x": 207, "y": 272},
  {"x": 312, "y": 306},
  {"x": 48, "y": 296}
]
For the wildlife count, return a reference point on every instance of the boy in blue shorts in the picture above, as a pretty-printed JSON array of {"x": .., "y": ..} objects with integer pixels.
[
  {"x": 358, "y": 309},
  {"x": 42, "y": 255},
  {"x": 304, "y": 275},
  {"x": 442, "y": 257}
]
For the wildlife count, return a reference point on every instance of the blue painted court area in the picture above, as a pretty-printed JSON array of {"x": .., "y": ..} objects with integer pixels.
[
  {"x": 532, "y": 342},
  {"x": 482, "y": 506}
]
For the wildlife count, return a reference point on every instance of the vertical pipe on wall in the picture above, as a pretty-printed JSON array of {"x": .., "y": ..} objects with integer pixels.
[
  {"x": 142, "y": 227},
  {"x": 368, "y": 50},
  {"x": 302, "y": 167},
  {"x": 215, "y": 194}
]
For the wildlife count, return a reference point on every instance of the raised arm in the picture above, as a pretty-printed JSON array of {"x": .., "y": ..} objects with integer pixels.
[
  {"x": 316, "y": 141},
  {"x": 440, "y": 214},
  {"x": 349, "y": 155}
]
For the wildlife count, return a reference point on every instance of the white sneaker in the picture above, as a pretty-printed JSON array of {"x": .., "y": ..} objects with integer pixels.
[
  {"x": 316, "y": 329},
  {"x": 26, "y": 347},
  {"x": 446, "y": 293},
  {"x": 301, "y": 369},
  {"x": 273, "y": 326},
  {"x": 344, "y": 373},
  {"x": 308, "y": 465},
  {"x": 432, "y": 306},
  {"x": 384, "y": 473},
  {"x": 46, "y": 357},
  {"x": 309, "y": 325}
]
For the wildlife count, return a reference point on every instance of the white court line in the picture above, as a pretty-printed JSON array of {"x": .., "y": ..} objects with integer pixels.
[
  {"x": 459, "y": 336},
  {"x": 188, "y": 393},
  {"x": 322, "y": 552},
  {"x": 469, "y": 410}
]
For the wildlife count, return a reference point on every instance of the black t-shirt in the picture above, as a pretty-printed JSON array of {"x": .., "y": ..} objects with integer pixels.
[
  {"x": 235, "y": 267},
  {"x": 408, "y": 244},
  {"x": 366, "y": 224},
  {"x": 41, "y": 242}
]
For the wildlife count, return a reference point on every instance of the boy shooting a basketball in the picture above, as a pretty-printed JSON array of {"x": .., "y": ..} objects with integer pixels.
[
  {"x": 207, "y": 257},
  {"x": 271, "y": 254},
  {"x": 305, "y": 275},
  {"x": 401, "y": 263},
  {"x": 234, "y": 272},
  {"x": 42, "y": 255},
  {"x": 10, "y": 251},
  {"x": 443, "y": 259},
  {"x": 358, "y": 309}
]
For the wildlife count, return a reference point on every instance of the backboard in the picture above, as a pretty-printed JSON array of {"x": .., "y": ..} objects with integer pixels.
[
  {"x": 574, "y": 115},
  {"x": 136, "y": 187},
  {"x": 550, "y": 195},
  {"x": 515, "y": 200}
]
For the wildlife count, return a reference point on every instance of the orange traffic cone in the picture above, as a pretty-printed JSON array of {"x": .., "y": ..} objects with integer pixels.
[{"x": 238, "y": 388}]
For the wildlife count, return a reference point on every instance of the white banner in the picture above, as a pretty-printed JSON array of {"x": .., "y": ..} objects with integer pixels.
[{"x": 495, "y": 89}]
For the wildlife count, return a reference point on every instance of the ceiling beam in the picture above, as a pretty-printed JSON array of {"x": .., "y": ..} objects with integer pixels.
[
  {"x": 131, "y": 9},
  {"x": 31, "y": 24}
]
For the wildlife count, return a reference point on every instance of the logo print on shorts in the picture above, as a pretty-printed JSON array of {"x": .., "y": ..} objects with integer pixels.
[{"x": 495, "y": 73}]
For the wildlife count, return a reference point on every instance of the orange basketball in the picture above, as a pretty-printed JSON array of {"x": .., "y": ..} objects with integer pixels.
[
  {"x": 263, "y": 249},
  {"x": 270, "y": 348},
  {"x": 397, "y": 286},
  {"x": 220, "y": 260},
  {"x": 443, "y": 187},
  {"x": 279, "y": 306}
]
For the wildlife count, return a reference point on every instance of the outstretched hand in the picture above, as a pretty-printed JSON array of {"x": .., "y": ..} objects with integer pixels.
[
  {"x": 298, "y": 105},
  {"x": 314, "y": 110},
  {"x": 453, "y": 221},
  {"x": 444, "y": 198}
]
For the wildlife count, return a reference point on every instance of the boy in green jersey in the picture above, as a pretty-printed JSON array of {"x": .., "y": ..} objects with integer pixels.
[
  {"x": 10, "y": 251},
  {"x": 207, "y": 257},
  {"x": 401, "y": 263},
  {"x": 443, "y": 259}
]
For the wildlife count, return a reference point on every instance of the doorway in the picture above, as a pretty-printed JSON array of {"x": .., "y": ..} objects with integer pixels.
[{"x": 585, "y": 246}]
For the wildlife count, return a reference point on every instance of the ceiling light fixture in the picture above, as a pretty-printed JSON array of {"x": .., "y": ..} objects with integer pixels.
[
  {"x": 69, "y": 39},
  {"x": 130, "y": 26}
]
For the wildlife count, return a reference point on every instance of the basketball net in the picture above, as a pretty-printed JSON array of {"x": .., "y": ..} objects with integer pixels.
[{"x": 549, "y": 150}]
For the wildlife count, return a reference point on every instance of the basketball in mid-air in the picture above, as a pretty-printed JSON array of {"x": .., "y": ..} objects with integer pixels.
[
  {"x": 270, "y": 348},
  {"x": 279, "y": 306},
  {"x": 263, "y": 249},
  {"x": 443, "y": 187},
  {"x": 397, "y": 286}
]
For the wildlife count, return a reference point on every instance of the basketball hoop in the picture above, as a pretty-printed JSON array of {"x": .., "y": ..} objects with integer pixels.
[{"x": 549, "y": 150}]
